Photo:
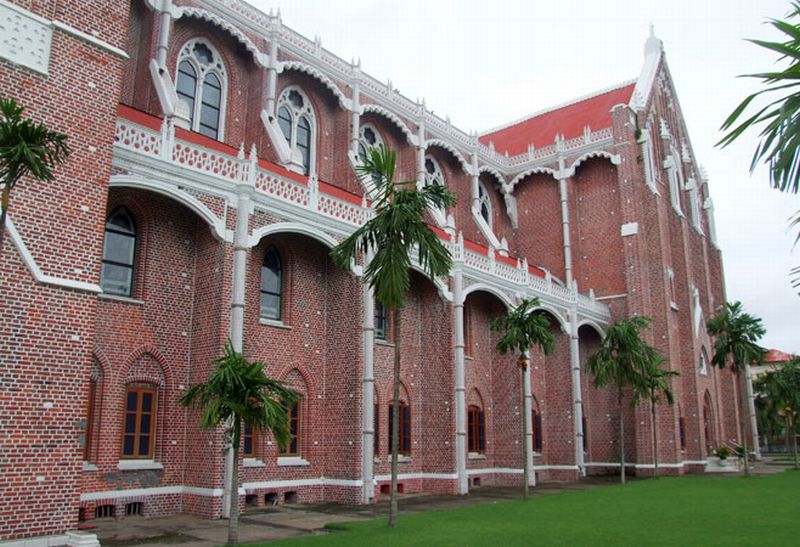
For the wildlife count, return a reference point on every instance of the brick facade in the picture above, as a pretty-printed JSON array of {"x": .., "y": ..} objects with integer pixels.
[{"x": 630, "y": 252}]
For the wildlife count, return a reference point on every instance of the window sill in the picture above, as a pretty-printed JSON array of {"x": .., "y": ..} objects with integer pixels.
[
  {"x": 123, "y": 299},
  {"x": 470, "y": 357},
  {"x": 476, "y": 456},
  {"x": 293, "y": 461},
  {"x": 138, "y": 465},
  {"x": 401, "y": 458},
  {"x": 381, "y": 342},
  {"x": 537, "y": 454},
  {"x": 274, "y": 323},
  {"x": 252, "y": 462},
  {"x": 674, "y": 306},
  {"x": 376, "y": 459},
  {"x": 89, "y": 467}
]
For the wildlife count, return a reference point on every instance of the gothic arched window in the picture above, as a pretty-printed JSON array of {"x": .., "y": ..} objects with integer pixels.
[
  {"x": 201, "y": 83},
  {"x": 272, "y": 285},
  {"x": 298, "y": 124},
  {"x": 119, "y": 251}
]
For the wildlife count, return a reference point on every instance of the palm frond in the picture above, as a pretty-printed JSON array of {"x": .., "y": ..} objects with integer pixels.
[{"x": 522, "y": 328}]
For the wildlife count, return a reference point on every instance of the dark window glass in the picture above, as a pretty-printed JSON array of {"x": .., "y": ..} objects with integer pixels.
[
  {"x": 362, "y": 152},
  {"x": 376, "y": 428},
  {"x": 304, "y": 142},
  {"x": 186, "y": 85},
  {"x": 271, "y": 285},
  {"x": 369, "y": 136},
  {"x": 247, "y": 438},
  {"x": 203, "y": 54},
  {"x": 476, "y": 430},
  {"x": 119, "y": 247},
  {"x": 140, "y": 413},
  {"x": 682, "y": 429},
  {"x": 405, "y": 429},
  {"x": 285, "y": 123},
  {"x": 210, "y": 106},
  {"x": 296, "y": 99},
  {"x": 585, "y": 433},
  {"x": 537, "y": 431},
  {"x": 380, "y": 321},
  {"x": 430, "y": 167},
  {"x": 88, "y": 436},
  {"x": 485, "y": 213}
]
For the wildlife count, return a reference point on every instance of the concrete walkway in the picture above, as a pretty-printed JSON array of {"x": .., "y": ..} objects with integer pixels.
[{"x": 288, "y": 521}]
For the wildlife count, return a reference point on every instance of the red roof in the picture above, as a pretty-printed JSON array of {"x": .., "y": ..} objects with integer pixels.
[
  {"x": 777, "y": 356},
  {"x": 569, "y": 121}
]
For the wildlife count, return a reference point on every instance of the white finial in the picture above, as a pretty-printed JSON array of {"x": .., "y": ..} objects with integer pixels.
[
  {"x": 652, "y": 30},
  {"x": 653, "y": 46}
]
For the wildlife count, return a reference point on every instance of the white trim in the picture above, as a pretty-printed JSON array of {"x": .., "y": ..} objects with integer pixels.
[
  {"x": 495, "y": 470},
  {"x": 252, "y": 462},
  {"x": 290, "y": 461},
  {"x": 291, "y": 227},
  {"x": 137, "y": 465},
  {"x": 36, "y": 272},
  {"x": 291, "y": 483},
  {"x": 412, "y": 476},
  {"x": 38, "y": 541},
  {"x": 200, "y": 491},
  {"x": 90, "y": 39},
  {"x": 133, "y": 492}
]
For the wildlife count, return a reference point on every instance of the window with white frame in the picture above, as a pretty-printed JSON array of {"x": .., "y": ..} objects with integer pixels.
[
  {"x": 703, "y": 367},
  {"x": 694, "y": 203},
  {"x": 675, "y": 180},
  {"x": 671, "y": 287},
  {"x": 484, "y": 204},
  {"x": 650, "y": 172},
  {"x": 433, "y": 173},
  {"x": 201, "y": 82},
  {"x": 368, "y": 137},
  {"x": 298, "y": 124}
]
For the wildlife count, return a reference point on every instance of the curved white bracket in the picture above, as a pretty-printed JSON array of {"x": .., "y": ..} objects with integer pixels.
[
  {"x": 216, "y": 224},
  {"x": 291, "y": 227},
  {"x": 615, "y": 159},
  {"x": 594, "y": 324},
  {"x": 453, "y": 150},
  {"x": 392, "y": 117},
  {"x": 187, "y": 11},
  {"x": 533, "y": 171},
  {"x": 507, "y": 300},
  {"x": 314, "y": 73}
]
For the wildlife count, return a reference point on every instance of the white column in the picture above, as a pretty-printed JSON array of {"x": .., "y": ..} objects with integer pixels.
[
  {"x": 475, "y": 183},
  {"x": 527, "y": 405},
  {"x": 165, "y": 20},
  {"x": 562, "y": 188},
  {"x": 751, "y": 409},
  {"x": 460, "y": 381},
  {"x": 421, "y": 148},
  {"x": 272, "y": 73},
  {"x": 355, "y": 117},
  {"x": 577, "y": 402},
  {"x": 368, "y": 393}
]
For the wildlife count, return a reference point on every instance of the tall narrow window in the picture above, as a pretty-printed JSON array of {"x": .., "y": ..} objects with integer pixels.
[
  {"x": 297, "y": 123},
  {"x": 248, "y": 447},
  {"x": 585, "y": 433},
  {"x": 468, "y": 342},
  {"x": 381, "y": 322},
  {"x": 376, "y": 423},
  {"x": 139, "y": 424},
  {"x": 485, "y": 204},
  {"x": 537, "y": 431},
  {"x": 368, "y": 137},
  {"x": 271, "y": 285},
  {"x": 682, "y": 431},
  {"x": 201, "y": 84},
  {"x": 476, "y": 430},
  {"x": 405, "y": 429},
  {"x": 293, "y": 414},
  {"x": 119, "y": 248},
  {"x": 88, "y": 436}
]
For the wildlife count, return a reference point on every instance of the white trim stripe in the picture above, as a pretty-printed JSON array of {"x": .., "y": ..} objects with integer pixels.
[{"x": 89, "y": 39}]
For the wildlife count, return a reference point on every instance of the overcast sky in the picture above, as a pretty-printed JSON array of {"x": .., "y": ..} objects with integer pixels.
[{"x": 488, "y": 63}]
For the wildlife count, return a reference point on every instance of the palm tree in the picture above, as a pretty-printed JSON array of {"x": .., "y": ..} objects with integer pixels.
[
  {"x": 26, "y": 148},
  {"x": 737, "y": 334},
  {"x": 779, "y": 119},
  {"x": 239, "y": 393},
  {"x": 396, "y": 230},
  {"x": 521, "y": 329},
  {"x": 655, "y": 385},
  {"x": 780, "y": 388},
  {"x": 623, "y": 359}
]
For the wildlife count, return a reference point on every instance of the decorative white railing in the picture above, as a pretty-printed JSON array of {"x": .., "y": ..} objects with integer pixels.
[{"x": 239, "y": 169}]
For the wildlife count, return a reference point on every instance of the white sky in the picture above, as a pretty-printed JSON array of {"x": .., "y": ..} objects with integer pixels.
[{"x": 488, "y": 63}]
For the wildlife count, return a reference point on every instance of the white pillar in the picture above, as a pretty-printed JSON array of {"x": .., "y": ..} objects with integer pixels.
[
  {"x": 421, "y": 148},
  {"x": 577, "y": 402},
  {"x": 368, "y": 393},
  {"x": 272, "y": 73},
  {"x": 460, "y": 381},
  {"x": 751, "y": 409},
  {"x": 527, "y": 406},
  {"x": 355, "y": 117},
  {"x": 475, "y": 182},
  {"x": 240, "y": 247},
  {"x": 165, "y": 20},
  {"x": 562, "y": 187}
]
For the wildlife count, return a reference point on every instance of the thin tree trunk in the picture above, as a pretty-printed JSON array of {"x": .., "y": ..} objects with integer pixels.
[
  {"x": 743, "y": 413},
  {"x": 395, "y": 419},
  {"x": 655, "y": 436},
  {"x": 525, "y": 470},
  {"x": 4, "y": 204},
  {"x": 233, "y": 520},
  {"x": 621, "y": 438}
]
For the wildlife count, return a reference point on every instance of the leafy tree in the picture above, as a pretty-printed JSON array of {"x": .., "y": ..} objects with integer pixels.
[
  {"x": 26, "y": 148},
  {"x": 736, "y": 335},
  {"x": 779, "y": 120},
  {"x": 396, "y": 230},
  {"x": 654, "y": 386},
  {"x": 780, "y": 389},
  {"x": 239, "y": 393},
  {"x": 623, "y": 359},
  {"x": 522, "y": 329}
]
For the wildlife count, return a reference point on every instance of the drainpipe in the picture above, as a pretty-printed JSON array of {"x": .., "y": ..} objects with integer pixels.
[
  {"x": 165, "y": 22},
  {"x": 368, "y": 392},
  {"x": 355, "y": 117},
  {"x": 272, "y": 73},
  {"x": 421, "y": 147},
  {"x": 460, "y": 379}
]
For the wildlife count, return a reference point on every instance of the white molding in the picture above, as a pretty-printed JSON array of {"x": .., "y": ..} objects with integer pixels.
[
  {"x": 90, "y": 39},
  {"x": 293, "y": 483},
  {"x": 138, "y": 465},
  {"x": 37, "y": 273},
  {"x": 629, "y": 229},
  {"x": 292, "y": 461},
  {"x": 133, "y": 492},
  {"x": 26, "y": 37},
  {"x": 201, "y": 491},
  {"x": 292, "y": 227},
  {"x": 39, "y": 541},
  {"x": 413, "y": 476}
]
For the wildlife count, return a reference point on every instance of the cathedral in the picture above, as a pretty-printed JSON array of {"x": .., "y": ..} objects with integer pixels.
[{"x": 213, "y": 168}]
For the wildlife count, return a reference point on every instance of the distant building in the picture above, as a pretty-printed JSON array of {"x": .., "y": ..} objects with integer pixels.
[
  {"x": 213, "y": 169},
  {"x": 774, "y": 358}
]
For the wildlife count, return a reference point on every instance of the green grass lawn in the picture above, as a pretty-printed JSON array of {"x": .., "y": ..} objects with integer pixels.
[{"x": 695, "y": 510}]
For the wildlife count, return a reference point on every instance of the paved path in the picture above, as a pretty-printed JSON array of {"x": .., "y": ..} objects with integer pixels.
[{"x": 287, "y": 521}]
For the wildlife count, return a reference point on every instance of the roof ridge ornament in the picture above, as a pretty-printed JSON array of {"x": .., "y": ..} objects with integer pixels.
[{"x": 653, "y": 45}]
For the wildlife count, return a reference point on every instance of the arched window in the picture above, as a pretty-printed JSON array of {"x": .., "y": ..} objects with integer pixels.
[
  {"x": 485, "y": 204},
  {"x": 119, "y": 250},
  {"x": 201, "y": 83},
  {"x": 405, "y": 429},
  {"x": 139, "y": 423},
  {"x": 703, "y": 366},
  {"x": 476, "y": 430},
  {"x": 381, "y": 322},
  {"x": 295, "y": 417},
  {"x": 433, "y": 173},
  {"x": 272, "y": 285},
  {"x": 682, "y": 431},
  {"x": 297, "y": 123},
  {"x": 368, "y": 137}
]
